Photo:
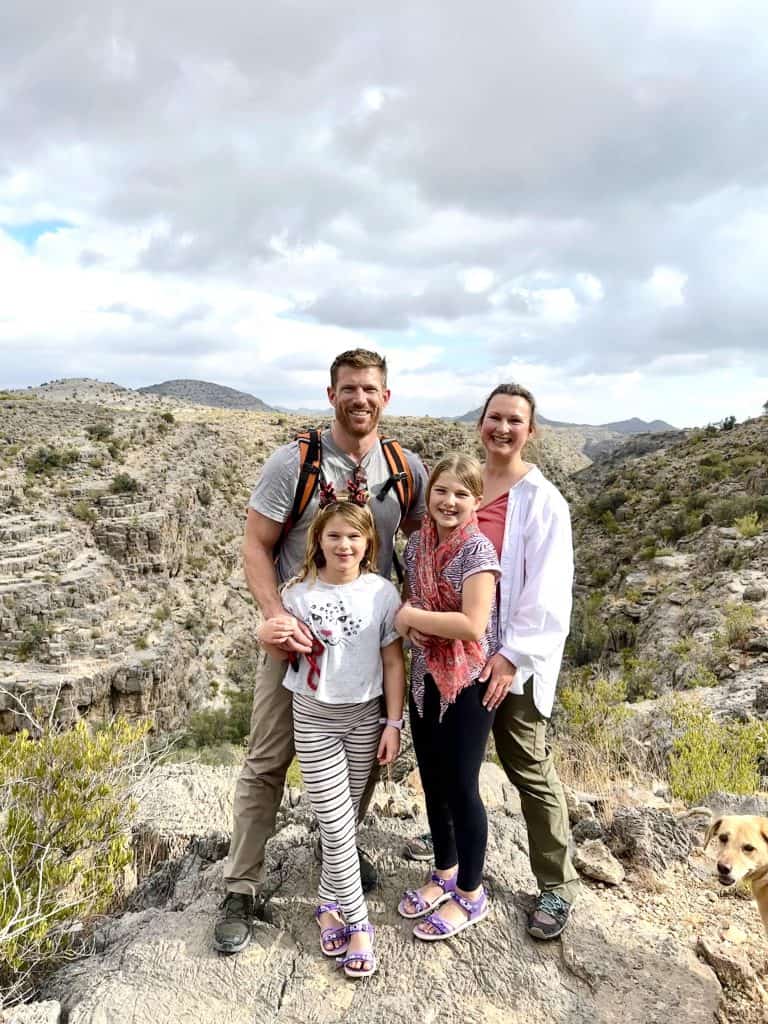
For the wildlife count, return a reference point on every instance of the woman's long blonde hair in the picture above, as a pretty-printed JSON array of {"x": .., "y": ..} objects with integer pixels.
[{"x": 359, "y": 516}]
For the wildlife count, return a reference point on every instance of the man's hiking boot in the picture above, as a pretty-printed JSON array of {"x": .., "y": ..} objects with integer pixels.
[
  {"x": 549, "y": 916},
  {"x": 233, "y": 928},
  {"x": 419, "y": 848},
  {"x": 369, "y": 876}
]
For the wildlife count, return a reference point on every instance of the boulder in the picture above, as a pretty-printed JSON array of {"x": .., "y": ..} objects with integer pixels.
[{"x": 595, "y": 860}]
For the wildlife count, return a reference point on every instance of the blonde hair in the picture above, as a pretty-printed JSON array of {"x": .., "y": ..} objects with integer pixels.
[
  {"x": 465, "y": 468},
  {"x": 359, "y": 516}
]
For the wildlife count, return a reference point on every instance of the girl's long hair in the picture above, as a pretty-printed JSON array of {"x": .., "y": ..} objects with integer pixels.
[
  {"x": 358, "y": 516},
  {"x": 465, "y": 468}
]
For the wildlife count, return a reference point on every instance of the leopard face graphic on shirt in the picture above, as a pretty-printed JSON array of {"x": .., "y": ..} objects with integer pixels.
[{"x": 332, "y": 622}]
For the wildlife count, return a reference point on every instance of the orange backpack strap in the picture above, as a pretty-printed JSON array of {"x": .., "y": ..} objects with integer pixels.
[
  {"x": 401, "y": 476},
  {"x": 310, "y": 456}
]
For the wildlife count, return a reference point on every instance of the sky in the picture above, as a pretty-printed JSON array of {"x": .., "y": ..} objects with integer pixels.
[{"x": 571, "y": 195}]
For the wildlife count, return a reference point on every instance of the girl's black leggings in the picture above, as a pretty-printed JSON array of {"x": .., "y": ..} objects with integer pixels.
[{"x": 449, "y": 754}]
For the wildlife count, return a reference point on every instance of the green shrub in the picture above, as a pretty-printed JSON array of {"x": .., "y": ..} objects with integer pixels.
[
  {"x": 589, "y": 633},
  {"x": 703, "y": 676},
  {"x": 123, "y": 483},
  {"x": 637, "y": 676},
  {"x": 83, "y": 511},
  {"x": 65, "y": 809},
  {"x": 168, "y": 417},
  {"x": 708, "y": 755},
  {"x": 45, "y": 460},
  {"x": 726, "y": 510},
  {"x": 215, "y": 726},
  {"x": 593, "y": 710},
  {"x": 31, "y": 642},
  {"x": 749, "y": 525},
  {"x": 739, "y": 619},
  {"x": 99, "y": 431}
]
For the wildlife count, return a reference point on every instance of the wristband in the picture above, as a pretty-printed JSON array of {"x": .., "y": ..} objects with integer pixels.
[{"x": 396, "y": 723}]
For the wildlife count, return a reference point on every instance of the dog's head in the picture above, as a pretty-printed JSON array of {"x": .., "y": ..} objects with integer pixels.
[{"x": 742, "y": 846}]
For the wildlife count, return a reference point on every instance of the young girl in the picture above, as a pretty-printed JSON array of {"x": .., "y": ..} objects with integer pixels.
[
  {"x": 337, "y": 689},
  {"x": 451, "y": 572}
]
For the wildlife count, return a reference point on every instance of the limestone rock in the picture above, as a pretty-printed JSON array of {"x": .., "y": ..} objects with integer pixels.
[
  {"x": 593, "y": 859},
  {"x": 48, "y": 1012},
  {"x": 648, "y": 837},
  {"x": 610, "y": 968}
]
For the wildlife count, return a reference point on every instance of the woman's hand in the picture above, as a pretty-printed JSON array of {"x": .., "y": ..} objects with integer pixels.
[
  {"x": 500, "y": 674},
  {"x": 389, "y": 745},
  {"x": 417, "y": 638}
]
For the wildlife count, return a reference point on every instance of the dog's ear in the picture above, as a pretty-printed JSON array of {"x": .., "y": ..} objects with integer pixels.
[
  {"x": 712, "y": 831},
  {"x": 764, "y": 830}
]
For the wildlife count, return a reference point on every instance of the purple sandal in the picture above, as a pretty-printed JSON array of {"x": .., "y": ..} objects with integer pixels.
[
  {"x": 332, "y": 934},
  {"x": 414, "y": 897},
  {"x": 366, "y": 957},
  {"x": 476, "y": 910}
]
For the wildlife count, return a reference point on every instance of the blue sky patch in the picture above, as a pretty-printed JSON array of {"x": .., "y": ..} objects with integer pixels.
[{"x": 29, "y": 233}]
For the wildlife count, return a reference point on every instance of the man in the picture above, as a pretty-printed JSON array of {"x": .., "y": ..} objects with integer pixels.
[{"x": 351, "y": 450}]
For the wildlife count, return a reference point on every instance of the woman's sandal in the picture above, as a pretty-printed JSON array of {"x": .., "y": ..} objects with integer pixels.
[
  {"x": 366, "y": 957},
  {"x": 475, "y": 909},
  {"x": 332, "y": 934},
  {"x": 414, "y": 897}
]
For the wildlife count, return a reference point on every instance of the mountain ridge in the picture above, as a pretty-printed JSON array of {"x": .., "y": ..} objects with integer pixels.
[{"x": 203, "y": 392}]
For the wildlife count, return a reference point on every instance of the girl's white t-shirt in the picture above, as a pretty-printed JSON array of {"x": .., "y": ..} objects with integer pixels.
[{"x": 353, "y": 621}]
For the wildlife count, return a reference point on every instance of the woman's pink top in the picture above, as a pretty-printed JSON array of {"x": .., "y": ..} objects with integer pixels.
[{"x": 491, "y": 519}]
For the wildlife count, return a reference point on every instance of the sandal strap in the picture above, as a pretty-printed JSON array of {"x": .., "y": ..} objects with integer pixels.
[
  {"x": 328, "y": 908},
  {"x": 446, "y": 884},
  {"x": 418, "y": 901},
  {"x": 438, "y": 923},
  {"x": 332, "y": 934},
  {"x": 360, "y": 926},
  {"x": 471, "y": 907}
]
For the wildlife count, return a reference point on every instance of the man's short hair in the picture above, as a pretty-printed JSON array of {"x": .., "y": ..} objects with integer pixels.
[{"x": 359, "y": 359}]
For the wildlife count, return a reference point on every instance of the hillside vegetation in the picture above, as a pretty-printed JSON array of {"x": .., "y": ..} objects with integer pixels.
[{"x": 672, "y": 564}]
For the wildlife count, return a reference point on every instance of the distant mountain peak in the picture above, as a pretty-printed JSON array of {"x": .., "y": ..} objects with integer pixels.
[{"x": 203, "y": 392}]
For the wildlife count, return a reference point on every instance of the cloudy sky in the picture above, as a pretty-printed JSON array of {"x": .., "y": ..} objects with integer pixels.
[{"x": 568, "y": 193}]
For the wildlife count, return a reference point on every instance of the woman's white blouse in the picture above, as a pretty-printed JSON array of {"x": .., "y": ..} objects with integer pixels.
[{"x": 536, "y": 585}]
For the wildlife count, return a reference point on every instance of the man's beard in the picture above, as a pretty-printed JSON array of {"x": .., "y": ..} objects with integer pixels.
[{"x": 346, "y": 421}]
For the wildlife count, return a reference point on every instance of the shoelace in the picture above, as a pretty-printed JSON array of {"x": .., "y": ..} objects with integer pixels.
[{"x": 552, "y": 904}]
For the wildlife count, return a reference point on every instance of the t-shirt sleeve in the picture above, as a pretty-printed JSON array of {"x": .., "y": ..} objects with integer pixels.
[
  {"x": 479, "y": 555},
  {"x": 289, "y": 597},
  {"x": 418, "y": 505},
  {"x": 275, "y": 489},
  {"x": 390, "y": 603}
]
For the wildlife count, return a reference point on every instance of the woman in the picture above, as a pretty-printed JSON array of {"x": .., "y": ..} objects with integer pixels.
[{"x": 527, "y": 520}]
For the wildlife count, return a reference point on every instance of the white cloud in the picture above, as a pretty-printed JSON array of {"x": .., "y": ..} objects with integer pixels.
[{"x": 249, "y": 192}]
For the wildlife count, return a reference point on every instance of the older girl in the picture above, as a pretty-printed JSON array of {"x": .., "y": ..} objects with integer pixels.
[{"x": 452, "y": 571}]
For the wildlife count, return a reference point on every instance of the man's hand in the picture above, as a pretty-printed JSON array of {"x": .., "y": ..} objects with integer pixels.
[
  {"x": 501, "y": 673},
  {"x": 389, "y": 745},
  {"x": 286, "y": 632}
]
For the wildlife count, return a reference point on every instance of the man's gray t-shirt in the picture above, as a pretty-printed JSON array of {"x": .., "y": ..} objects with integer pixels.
[{"x": 275, "y": 489}]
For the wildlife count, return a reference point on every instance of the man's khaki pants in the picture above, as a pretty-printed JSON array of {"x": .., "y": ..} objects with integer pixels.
[
  {"x": 519, "y": 732},
  {"x": 260, "y": 786}
]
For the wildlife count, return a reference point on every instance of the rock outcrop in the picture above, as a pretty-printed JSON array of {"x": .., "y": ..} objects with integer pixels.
[{"x": 157, "y": 963}]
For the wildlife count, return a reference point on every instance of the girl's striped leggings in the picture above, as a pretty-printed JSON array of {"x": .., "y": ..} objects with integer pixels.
[{"x": 336, "y": 746}]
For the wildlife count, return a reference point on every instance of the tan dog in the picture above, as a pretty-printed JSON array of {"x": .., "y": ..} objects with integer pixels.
[{"x": 743, "y": 853}]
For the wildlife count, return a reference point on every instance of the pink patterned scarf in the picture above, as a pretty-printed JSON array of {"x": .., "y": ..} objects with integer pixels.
[{"x": 453, "y": 664}]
